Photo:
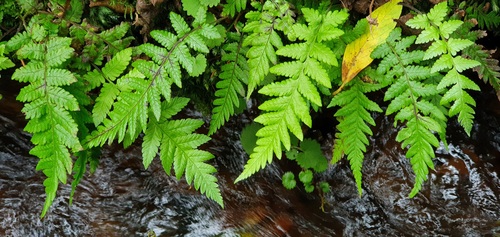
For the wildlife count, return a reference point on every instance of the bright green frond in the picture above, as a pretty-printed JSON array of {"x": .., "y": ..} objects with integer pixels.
[
  {"x": 293, "y": 95},
  {"x": 178, "y": 147},
  {"x": 231, "y": 86},
  {"x": 354, "y": 120}
]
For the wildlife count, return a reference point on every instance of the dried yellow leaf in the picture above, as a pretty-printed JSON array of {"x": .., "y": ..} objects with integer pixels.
[{"x": 357, "y": 53}]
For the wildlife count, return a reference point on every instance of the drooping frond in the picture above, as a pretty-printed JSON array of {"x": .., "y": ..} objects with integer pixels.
[
  {"x": 178, "y": 146},
  {"x": 233, "y": 75},
  {"x": 353, "y": 128},
  {"x": 291, "y": 97},
  {"x": 446, "y": 49},
  {"x": 411, "y": 94},
  {"x": 140, "y": 101},
  {"x": 263, "y": 39},
  {"x": 48, "y": 105}
]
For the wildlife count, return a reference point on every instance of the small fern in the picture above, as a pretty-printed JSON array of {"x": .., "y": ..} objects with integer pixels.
[
  {"x": 234, "y": 75},
  {"x": 294, "y": 94},
  {"x": 446, "y": 48},
  {"x": 48, "y": 105}
]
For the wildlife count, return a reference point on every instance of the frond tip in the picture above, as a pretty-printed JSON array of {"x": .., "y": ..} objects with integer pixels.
[{"x": 178, "y": 146}]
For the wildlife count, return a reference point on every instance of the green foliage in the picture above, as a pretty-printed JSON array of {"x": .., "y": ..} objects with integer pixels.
[
  {"x": 293, "y": 95},
  {"x": 486, "y": 13},
  {"x": 234, "y": 6},
  {"x": 178, "y": 146},
  {"x": 311, "y": 156},
  {"x": 84, "y": 86},
  {"x": 4, "y": 61},
  {"x": 248, "y": 137},
  {"x": 288, "y": 180}
]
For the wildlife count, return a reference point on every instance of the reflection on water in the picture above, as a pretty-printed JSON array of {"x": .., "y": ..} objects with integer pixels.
[{"x": 123, "y": 199}]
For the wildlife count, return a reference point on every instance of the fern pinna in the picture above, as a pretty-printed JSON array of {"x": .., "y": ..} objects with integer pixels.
[
  {"x": 294, "y": 95},
  {"x": 134, "y": 103},
  {"x": 48, "y": 104},
  {"x": 233, "y": 75}
]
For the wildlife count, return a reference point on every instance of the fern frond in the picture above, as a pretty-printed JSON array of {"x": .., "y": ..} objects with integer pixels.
[
  {"x": 485, "y": 19},
  {"x": 109, "y": 91},
  {"x": 354, "y": 120},
  {"x": 178, "y": 146},
  {"x": 411, "y": 96},
  {"x": 47, "y": 107},
  {"x": 449, "y": 61},
  {"x": 264, "y": 39},
  {"x": 135, "y": 104},
  {"x": 295, "y": 94},
  {"x": 234, "y": 74}
]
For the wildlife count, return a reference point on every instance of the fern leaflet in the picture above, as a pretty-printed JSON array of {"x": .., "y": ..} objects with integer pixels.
[
  {"x": 233, "y": 76},
  {"x": 294, "y": 95},
  {"x": 234, "y": 6}
]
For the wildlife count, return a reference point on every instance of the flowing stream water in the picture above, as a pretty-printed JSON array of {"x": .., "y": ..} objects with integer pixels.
[{"x": 121, "y": 198}]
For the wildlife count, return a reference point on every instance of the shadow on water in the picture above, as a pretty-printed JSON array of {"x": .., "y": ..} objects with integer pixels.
[{"x": 123, "y": 199}]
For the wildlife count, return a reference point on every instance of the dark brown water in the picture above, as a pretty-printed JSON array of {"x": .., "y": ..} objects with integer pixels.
[{"x": 122, "y": 199}]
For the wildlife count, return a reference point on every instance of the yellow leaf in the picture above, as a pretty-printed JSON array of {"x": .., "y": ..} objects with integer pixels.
[{"x": 357, "y": 53}]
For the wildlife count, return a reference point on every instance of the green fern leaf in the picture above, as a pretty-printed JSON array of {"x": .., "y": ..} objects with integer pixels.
[
  {"x": 4, "y": 61},
  {"x": 229, "y": 90},
  {"x": 354, "y": 118},
  {"x": 462, "y": 101},
  {"x": 489, "y": 70},
  {"x": 193, "y": 7},
  {"x": 411, "y": 98},
  {"x": 293, "y": 95},
  {"x": 47, "y": 107},
  {"x": 178, "y": 146},
  {"x": 451, "y": 63}
]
